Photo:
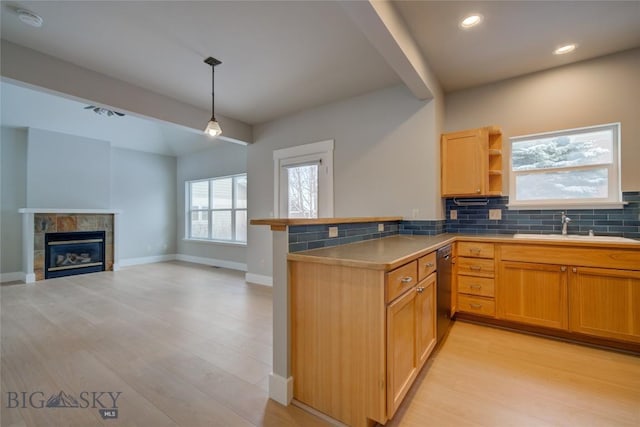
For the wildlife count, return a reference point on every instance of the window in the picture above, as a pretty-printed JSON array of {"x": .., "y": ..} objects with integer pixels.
[
  {"x": 571, "y": 167},
  {"x": 217, "y": 209},
  {"x": 304, "y": 181}
]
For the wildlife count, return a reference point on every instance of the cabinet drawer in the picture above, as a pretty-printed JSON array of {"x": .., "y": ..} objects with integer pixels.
[
  {"x": 475, "y": 266},
  {"x": 401, "y": 279},
  {"x": 476, "y": 305},
  {"x": 475, "y": 249},
  {"x": 426, "y": 265},
  {"x": 480, "y": 286},
  {"x": 623, "y": 259}
]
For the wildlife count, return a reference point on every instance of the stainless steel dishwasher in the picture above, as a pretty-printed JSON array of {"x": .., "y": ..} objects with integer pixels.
[{"x": 443, "y": 291}]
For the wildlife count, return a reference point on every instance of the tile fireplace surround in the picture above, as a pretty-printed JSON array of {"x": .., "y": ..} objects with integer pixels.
[{"x": 37, "y": 222}]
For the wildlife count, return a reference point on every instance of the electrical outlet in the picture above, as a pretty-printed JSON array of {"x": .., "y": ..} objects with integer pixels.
[
  {"x": 380, "y": 227},
  {"x": 333, "y": 231},
  {"x": 453, "y": 214},
  {"x": 495, "y": 214}
]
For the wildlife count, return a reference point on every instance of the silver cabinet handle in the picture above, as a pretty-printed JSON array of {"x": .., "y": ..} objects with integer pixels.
[
  {"x": 472, "y": 305},
  {"x": 406, "y": 279},
  {"x": 476, "y": 250},
  {"x": 575, "y": 270},
  {"x": 420, "y": 289},
  {"x": 563, "y": 268},
  {"x": 429, "y": 265},
  {"x": 478, "y": 190},
  {"x": 475, "y": 267},
  {"x": 475, "y": 286}
]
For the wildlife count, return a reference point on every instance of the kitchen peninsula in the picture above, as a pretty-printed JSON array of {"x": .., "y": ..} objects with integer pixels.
[{"x": 345, "y": 360}]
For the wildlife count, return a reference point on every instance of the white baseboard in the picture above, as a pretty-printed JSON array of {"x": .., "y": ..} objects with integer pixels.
[
  {"x": 280, "y": 389},
  {"x": 258, "y": 279},
  {"x": 146, "y": 260},
  {"x": 12, "y": 277},
  {"x": 213, "y": 262}
]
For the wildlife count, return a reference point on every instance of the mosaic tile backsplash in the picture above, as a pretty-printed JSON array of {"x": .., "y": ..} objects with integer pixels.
[{"x": 474, "y": 220}]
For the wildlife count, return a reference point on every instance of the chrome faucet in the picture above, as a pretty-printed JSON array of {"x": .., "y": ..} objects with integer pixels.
[{"x": 565, "y": 220}]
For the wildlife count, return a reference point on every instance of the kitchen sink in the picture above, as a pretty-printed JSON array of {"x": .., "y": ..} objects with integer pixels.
[{"x": 575, "y": 237}]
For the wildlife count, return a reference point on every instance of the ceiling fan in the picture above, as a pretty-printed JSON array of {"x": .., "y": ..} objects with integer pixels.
[{"x": 103, "y": 111}]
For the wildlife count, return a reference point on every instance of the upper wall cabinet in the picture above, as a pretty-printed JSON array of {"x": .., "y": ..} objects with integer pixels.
[{"x": 471, "y": 163}]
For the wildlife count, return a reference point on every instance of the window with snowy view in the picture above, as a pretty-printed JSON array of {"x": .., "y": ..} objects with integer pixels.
[{"x": 577, "y": 166}]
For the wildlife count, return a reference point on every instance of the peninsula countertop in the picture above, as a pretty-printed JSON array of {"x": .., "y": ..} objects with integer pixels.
[{"x": 390, "y": 252}]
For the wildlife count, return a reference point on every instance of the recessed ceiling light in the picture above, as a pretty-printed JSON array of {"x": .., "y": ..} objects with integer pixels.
[
  {"x": 30, "y": 18},
  {"x": 471, "y": 21},
  {"x": 567, "y": 48}
]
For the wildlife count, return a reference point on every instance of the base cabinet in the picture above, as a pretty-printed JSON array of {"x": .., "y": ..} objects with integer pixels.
[
  {"x": 411, "y": 336},
  {"x": 605, "y": 302},
  {"x": 402, "y": 351},
  {"x": 359, "y": 336},
  {"x": 532, "y": 293},
  {"x": 426, "y": 319}
]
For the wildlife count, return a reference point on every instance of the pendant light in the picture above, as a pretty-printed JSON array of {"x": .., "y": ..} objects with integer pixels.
[{"x": 213, "y": 127}]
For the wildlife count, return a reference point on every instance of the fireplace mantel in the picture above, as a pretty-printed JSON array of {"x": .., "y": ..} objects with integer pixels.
[
  {"x": 29, "y": 233},
  {"x": 69, "y": 211}
]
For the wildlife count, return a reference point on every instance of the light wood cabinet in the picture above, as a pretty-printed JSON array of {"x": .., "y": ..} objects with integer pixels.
[
  {"x": 569, "y": 288},
  {"x": 532, "y": 293},
  {"x": 475, "y": 278},
  {"x": 471, "y": 163},
  {"x": 338, "y": 341},
  {"x": 605, "y": 302},
  {"x": 426, "y": 318},
  {"x": 411, "y": 337},
  {"x": 402, "y": 351},
  {"x": 360, "y": 336}
]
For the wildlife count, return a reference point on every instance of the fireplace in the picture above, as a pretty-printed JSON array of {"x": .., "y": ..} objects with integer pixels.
[{"x": 70, "y": 253}]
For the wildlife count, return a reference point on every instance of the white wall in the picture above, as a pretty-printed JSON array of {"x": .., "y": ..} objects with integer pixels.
[
  {"x": 13, "y": 183},
  {"x": 221, "y": 159},
  {"x": 67, "y": 171},
  {"x": 143, "y": 187},
  {"x": 386, "y": 160},
  {"x": 598, "y": 91}
]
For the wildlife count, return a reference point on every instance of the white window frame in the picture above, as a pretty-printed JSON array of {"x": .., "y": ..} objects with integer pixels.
[
  {"x": 614, "y": 201},
  {"x": 320, "y": 153},
  {"x": 210, "y": 210}
]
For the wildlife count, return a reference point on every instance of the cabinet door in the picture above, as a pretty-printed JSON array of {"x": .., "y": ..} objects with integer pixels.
[
  {"x": 426, "y": 318},
  {"x": 533, "y": 293},
  {"x": 605, "y": 302},
  {"x": 402, "y": 363},
  {"x": 463, "y": 168}
]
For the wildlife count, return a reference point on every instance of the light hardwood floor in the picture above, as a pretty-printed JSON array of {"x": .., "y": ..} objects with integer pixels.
[{"x": 191, "y": 346}]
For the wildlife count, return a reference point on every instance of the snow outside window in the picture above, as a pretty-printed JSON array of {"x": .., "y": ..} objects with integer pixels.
[{"x": 570, "y": 168}]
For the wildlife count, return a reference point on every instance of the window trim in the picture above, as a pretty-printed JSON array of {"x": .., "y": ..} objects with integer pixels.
[
  {"x": 614, "y": 201},
  {"x": 210, "y": 210},
  {"x": 317, "y": 152}
]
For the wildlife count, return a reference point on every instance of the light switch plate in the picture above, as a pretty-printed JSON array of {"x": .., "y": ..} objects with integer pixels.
[
  {"x": 333, "y": 231},
  {"x": 495, "y": 214},
  {"x": 380, "y": 227},
  {"x": 453, "y": 214}
]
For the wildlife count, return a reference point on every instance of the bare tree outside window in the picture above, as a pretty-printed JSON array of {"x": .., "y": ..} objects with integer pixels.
[{"x": 303, "y": 191}]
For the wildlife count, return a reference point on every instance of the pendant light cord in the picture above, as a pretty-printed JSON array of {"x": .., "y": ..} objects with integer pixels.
[{"x": 213, "y": 73}]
